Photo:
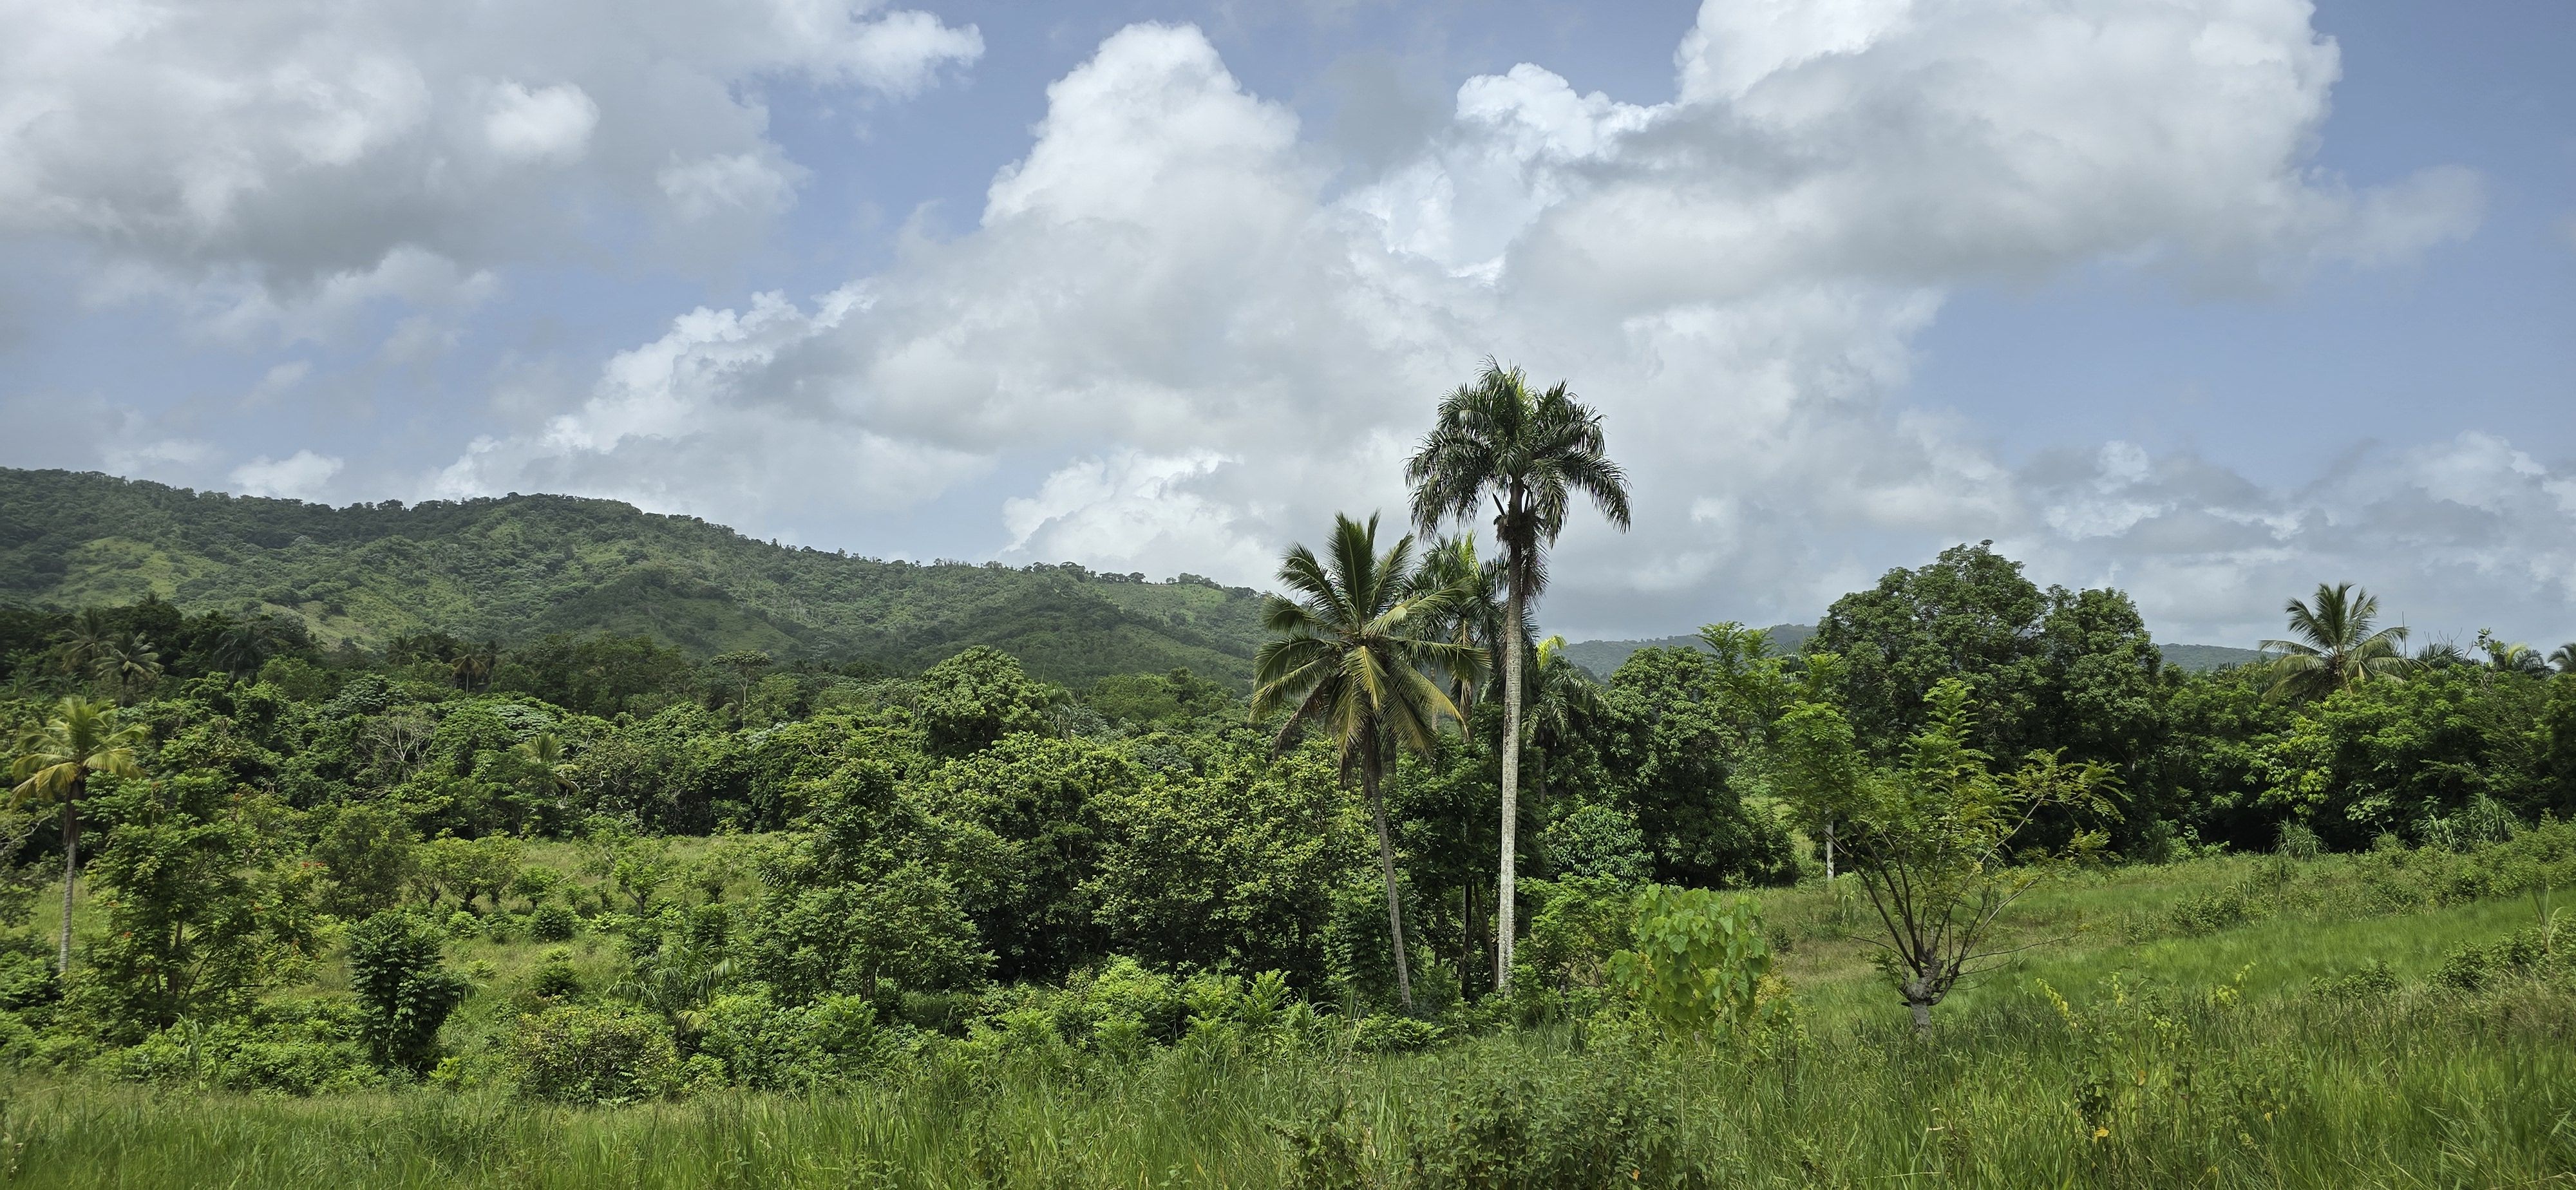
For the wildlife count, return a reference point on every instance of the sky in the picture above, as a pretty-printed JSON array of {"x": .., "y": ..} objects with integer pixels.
[{"x": 2211, "y": 300}]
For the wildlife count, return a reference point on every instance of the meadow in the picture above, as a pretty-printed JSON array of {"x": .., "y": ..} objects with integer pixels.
[{"x": 2360, "y": 1020}]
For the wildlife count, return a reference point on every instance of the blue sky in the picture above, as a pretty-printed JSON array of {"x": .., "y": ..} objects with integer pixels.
[{"x": 2213, "y": 300}]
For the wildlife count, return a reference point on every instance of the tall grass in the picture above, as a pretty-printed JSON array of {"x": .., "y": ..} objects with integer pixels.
[
  {"x": 2180, "y": 1026},
  {"x": 2124, "y": 1086}
]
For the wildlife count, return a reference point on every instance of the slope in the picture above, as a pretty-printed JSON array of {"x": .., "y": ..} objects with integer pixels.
[{"x": 520, "y": 567}]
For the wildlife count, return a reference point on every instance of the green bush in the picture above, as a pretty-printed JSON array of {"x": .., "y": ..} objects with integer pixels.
[
  {"x": 577, "y": 1053},
  {"x": 405, "y": 989},
  {"x": 1382, "y": 1034},
  {"x": 1699, "y": 961},
  {"x": 768, "y": 1048},
  {"x": 552, "y": 923},
  {"x": 306, "y": 1048}
]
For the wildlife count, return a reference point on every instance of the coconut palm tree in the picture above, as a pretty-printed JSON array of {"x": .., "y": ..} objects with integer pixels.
[
  {"x": 473, "y": 667},
  {"x": 1561, "y": 699},
  {"x": 127, "y": 664},
  {"x": 1474, "y": 620},
  {"x": 2336, "y": 648},
  {"x": 54, "y": 763},
  {"x": 80, "y": 646},
  {"x": 1349, "y": 653},
  {"x": 2505, "y": 657},
  {"x": 1529, "y": 454},
  {"x": 244, "y": 647},
  {"x": 2563, "y": 658}
]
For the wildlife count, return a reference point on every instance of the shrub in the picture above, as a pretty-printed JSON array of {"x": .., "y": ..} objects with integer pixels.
[
  {"x": 552, "y": 923},
  {"x": 767, "y": 1048},
  {"x": 405, "y": 990},
  {"x": 2373, "y": 981},
  {"x": 304, "y": 1048},
  {"x": 554, "y": 979},
  {"x": 1699, "y": 961},
  {"x": 1382, "y": 1034},
  {"x": 575, "y": 1053}
]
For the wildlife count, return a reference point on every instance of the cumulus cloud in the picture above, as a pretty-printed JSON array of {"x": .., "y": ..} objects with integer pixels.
[
  {"x": 248, "y": 157},
  {"x": 299, "y": 476},
  {"x": 1209, "y": 349}
]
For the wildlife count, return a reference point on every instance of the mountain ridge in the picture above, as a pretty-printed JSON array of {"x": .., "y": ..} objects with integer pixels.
[{"x": 519, "y": 567}]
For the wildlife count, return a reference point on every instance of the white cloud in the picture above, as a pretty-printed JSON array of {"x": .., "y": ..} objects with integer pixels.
[
  {"x": 1207, "y": 350},
  {"x": 299, "y": 476},
  {"x": 547, "y": 124},
  {"x": 243, "y": 157}
]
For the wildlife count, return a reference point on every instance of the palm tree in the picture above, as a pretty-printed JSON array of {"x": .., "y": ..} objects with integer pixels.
[
  {"x": 2563, "y": 658},
  {"x": 2506, "y": 657},
  {"x": 1475, "y": 620},
  {"x": 473, "y": 667},
  {"x": 54, "y": 763},
  {"x": 244, "y": 647},
  {"x": 1561, "y": 698},
  {"x": 127, "y": 663},
  {"x": 1528, "y": 454},
  {"x": 82, "y": 644},
  {"x": 2336, "y": 649},
  {"x": 1349, "y": 654}
]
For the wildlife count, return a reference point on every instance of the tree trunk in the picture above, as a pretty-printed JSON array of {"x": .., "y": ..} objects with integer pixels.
[
  {"x": 1829, "y": 853},
  {"x": 1503, "y": 887},
  {"x": 1386, "y": 868},
  {"x": 1922, "y": 1018},
  {"x": 71, "y": 865}
]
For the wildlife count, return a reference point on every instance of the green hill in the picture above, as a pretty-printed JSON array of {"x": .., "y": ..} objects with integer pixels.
[
  {"x": 1601, "y": 658},
  {"x": 2204, "y": 658},
  {"x": 520, "y": 567}
]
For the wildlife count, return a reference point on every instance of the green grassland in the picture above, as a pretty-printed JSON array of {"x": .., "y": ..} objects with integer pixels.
[
  {"x": 2241, "y": 1021},
  {"x": 520, "y": 567}
]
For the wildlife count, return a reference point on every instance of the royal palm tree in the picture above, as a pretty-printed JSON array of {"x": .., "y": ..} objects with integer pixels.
[
  {"x": 2336, "y": 648},
  {"x": 1349, "y": 653},
  {"x": 1528, "y": 454},
  {"x": 54, "y": 763}
]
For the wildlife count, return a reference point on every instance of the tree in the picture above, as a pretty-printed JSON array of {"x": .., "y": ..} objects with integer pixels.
[
  {"x": 200, "y": 915},
  {"x": 1969, "y": 614},
  {"x": 1476, "y": 620},
  {"x": 127, "y": 664},
  {"x": 2563, "y": 658},
  {"x": 395, "y": 970},
  {"x": 1345, "y": 655},
  {"x": 2335, "y": 647},
  {"x": 241, "y": 649},
  {"x": 2507, "y": 657},
  {"x": 54, "y": 763},
  {"x": 746, "y": 665},
  {"x": 1530, "y": 454},
  {"x": 1936, "y": 839},
  {"x": 1563, "y": 700},
  {"x": 976, "y": 697}
]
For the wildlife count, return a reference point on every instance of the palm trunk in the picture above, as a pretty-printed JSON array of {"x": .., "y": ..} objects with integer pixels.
[
  {"x": 1386, "y": 868},
  {"x": 71, "y": 865},
  {"x": 1503, "y": 886}
]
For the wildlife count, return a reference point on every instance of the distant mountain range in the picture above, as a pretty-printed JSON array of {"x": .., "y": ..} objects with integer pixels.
[
  {"x": 520, "y": 567},
  {"x": 1601, "y": 658},
  {"x": 516, "y": 568}
]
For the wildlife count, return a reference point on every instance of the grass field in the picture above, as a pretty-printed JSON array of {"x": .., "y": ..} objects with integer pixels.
[{"x": 2225, "y": 1022}]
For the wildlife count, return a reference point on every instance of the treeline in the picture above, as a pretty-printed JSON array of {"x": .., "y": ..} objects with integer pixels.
[{"x": 896, "y": 853}]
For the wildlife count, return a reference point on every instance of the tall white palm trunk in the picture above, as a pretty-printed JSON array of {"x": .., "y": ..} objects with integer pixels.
[{"x": 1503, "y": 907}]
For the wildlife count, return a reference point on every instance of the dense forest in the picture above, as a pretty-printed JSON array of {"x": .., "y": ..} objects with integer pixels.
[
  {"x": 518, "y": 568},
  {"x": 250, "y": 849}
]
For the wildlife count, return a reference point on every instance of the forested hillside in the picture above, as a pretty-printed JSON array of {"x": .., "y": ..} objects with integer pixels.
[{"x": 519, "y": 568}]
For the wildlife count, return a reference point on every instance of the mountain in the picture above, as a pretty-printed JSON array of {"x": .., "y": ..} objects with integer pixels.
[
  {"x": 520, "y": 567},
  {"x": 1601, "y": 658},
  {"x": 2204, "y": 658}
]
